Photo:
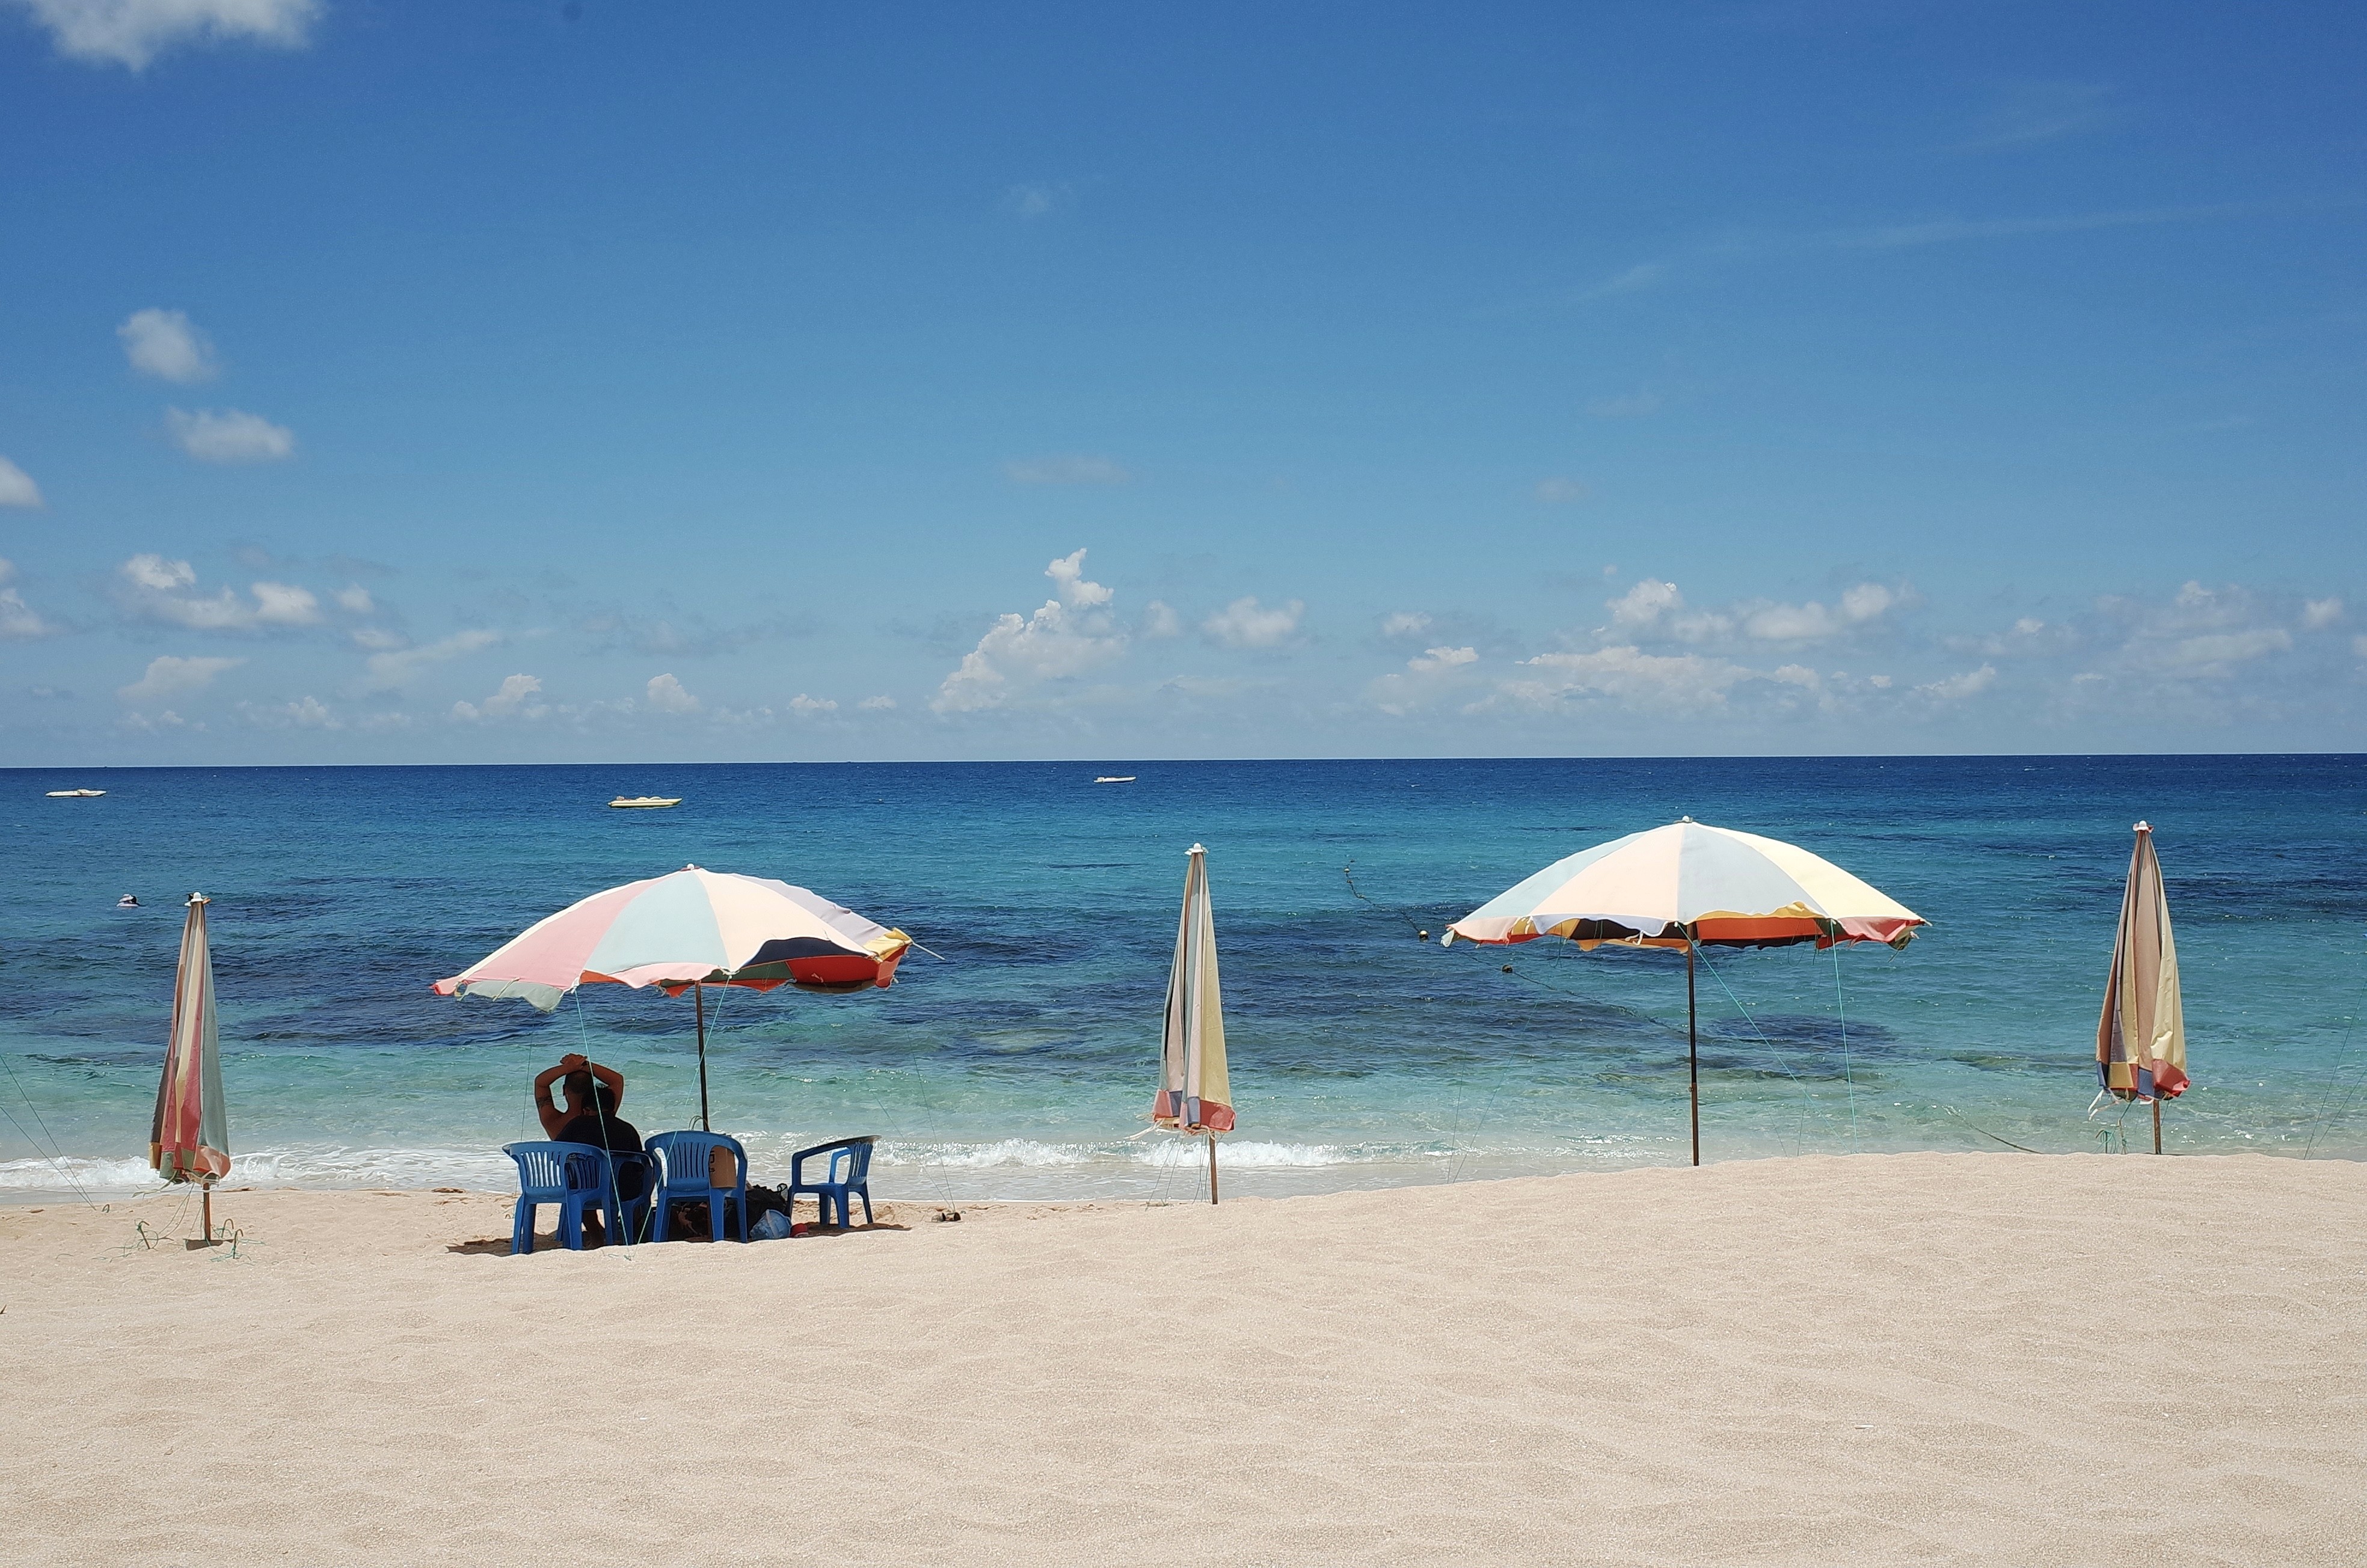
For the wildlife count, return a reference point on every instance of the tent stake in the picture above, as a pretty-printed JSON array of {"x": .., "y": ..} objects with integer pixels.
[
  {"x": 1693, "y": 1050},
  {"x": 1212, "y": 1167},
  {"x": 698, "y": 1001}
]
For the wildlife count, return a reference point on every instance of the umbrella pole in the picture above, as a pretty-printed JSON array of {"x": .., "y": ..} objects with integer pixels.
[
  {"x": 698, "y": 1003},
  {"x": 1212, "y": 1167},
  {"x": 2156, "y": 1123},
  {"x": 207, "y": 1189},
  {"x": 1693, "y": 1050}
]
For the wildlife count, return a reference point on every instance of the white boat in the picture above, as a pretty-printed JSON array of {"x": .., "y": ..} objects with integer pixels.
[
  {"x": 644, "y": 802},
  {"x": 76, "y": 794},
  {"x": 1115, "y": 778}
]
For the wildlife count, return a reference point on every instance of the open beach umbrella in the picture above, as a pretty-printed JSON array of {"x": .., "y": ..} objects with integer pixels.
[
  {"x": 687, "y": 931},
  {"x": 1195, "y": 1092},
  {"x": 189, "y": 1140},
  {"x": 1685, "y": 886},
  {"x": 2141, "y": 1039}
]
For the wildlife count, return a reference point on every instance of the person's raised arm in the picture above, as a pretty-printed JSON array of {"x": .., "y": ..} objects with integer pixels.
[
  {"x": 613, "y": 1079},
  {"x": 553, "y": 1119}
]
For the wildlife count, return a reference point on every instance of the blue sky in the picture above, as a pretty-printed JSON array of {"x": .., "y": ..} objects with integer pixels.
[{"x": 493, "y": 381}]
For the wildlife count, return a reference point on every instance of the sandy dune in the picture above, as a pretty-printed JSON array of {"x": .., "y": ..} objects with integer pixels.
[{"x": 1944, "y": 1359}]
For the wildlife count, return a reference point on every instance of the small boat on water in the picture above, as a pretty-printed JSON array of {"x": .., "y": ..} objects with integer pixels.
[
  {"x": 1115, "y": 778},
  {"x": 644, "y": 802},
  {"x": 76, "y": 794}
]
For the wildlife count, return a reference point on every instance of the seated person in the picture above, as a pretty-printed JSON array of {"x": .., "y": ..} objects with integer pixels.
[{"x": 593, "y": 1093}]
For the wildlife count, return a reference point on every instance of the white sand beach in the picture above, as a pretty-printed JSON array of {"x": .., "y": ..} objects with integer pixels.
[{"x": 1915, "y": 1358}]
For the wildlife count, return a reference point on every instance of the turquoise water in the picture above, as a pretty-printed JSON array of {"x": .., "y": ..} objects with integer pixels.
[{"x": 1019, "y": 1063}]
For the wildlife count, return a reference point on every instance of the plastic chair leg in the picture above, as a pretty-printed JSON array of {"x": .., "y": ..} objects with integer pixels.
[
  {"x": 866, "y": 1205},
  {"x": 521, "y": 1229}
]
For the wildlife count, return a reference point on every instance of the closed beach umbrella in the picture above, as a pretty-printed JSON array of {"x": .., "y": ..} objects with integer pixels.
[
  {"x": 687, "y": 931},
  {"x": 1195, "y": 1092},
  {"x": 2141, "y": 1039},
  {"x": 1686, "y": 885},
  {"x": 189, "y": 1140}
]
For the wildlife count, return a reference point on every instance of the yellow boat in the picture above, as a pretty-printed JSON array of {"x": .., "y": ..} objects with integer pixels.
[{"x": 644, "y": 802}]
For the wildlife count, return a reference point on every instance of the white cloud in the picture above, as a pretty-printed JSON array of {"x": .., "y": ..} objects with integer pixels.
[
  {"x": 1245, "y": 623},
  {"x": 1068, "y": 574},
  {"x": 2314, "y": 614},
  {"x": 17, "y": 486},
  {"x": 169, "y": 676},
  {"x": 1687, "y": 682},
  {"x": 392, "y": 667},
  {"x": 1956, "y": 688},
  {"x": 2359, "y": 646},
  {"x": 1405, "y": 622},
  {"x": 1037, "y": 199},
  {"x": 1626, "y": 405},
  {"x": 356, "y": 599},
  {"x": 1561, "y": 491},
  {"x": 1644, "y": 604},
  {"x": 2214, "y": 652},
  {"x": 1644, "y": 275},
  {"x": 19, "y": 622},
  {"x": 133, "y": 32},
  {"x": 304, "y": 713},
  {"x": 2034, "y": 112},
  {"x": 877, "y": 704},
  {"x": 1075, "y": 468},
  {"x": 229, "y": 435},
  {"x": 1428, "y": 676},
  {"x": 1069, "y": 636},
  {"x": 151, "y": 588},
  {"x": 168, "y": 345},
  {"x": 2028, "y": 638},
  {"x": 666, "y": 695},
  {"x": 1652, "y": 605},
  {"x": 804, "y": 704},
  {"x": 1159, "y": 620},
  {"x": 516, "y": 699},
  {"x": 1812, "y": 622}
]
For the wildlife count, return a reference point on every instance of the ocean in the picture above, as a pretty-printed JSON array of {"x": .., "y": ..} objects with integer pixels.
[{"x": 1017, "y": 1059}]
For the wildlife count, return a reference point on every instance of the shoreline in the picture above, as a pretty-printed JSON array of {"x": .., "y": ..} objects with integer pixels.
[{"x": 1941, "y": 1358}]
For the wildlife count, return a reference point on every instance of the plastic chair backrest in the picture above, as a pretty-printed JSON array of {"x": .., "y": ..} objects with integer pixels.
[
  {"x": 859, "y": 1164},
  {"x": 686, "y": 1160},
  {"x": 556, "y": 1169}
]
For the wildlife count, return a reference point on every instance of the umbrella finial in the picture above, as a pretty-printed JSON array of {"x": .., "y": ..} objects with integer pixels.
[
  {"x": 1685, "y": 819},
  {"x": 2142, "y": 828},
  {"x": 199, "y": 899}
]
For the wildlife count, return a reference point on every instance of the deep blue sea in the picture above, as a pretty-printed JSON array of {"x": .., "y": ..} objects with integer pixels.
[{"x": 1019, "y": 1062}]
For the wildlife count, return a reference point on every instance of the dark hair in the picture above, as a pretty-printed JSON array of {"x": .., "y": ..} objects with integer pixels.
[
  {"x": 579, "y": 1091},
  {"x": 607, "y": 1098}
]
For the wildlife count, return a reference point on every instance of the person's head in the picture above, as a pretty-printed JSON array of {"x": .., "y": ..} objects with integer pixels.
[
  {"x": 607, "y": 1098},
  {"x": 579, "y": 1090}
]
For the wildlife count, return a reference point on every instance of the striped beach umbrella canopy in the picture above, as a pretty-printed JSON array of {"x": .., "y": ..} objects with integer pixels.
[
  {"x": 1195, "y": 1090},
  {"x": 2141, "y": 1038},
  {"x": 1687, "y": 885},
  {"x": 687, "y": 931},
  {"x": 189, "y": 1140}
]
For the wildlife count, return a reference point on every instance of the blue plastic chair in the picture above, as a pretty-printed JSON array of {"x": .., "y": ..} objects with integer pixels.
[
  {"x": 684, "y": 1167},
  {"x": 574, "y": 1175},
  {"x": 850, "y": 1173}
]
